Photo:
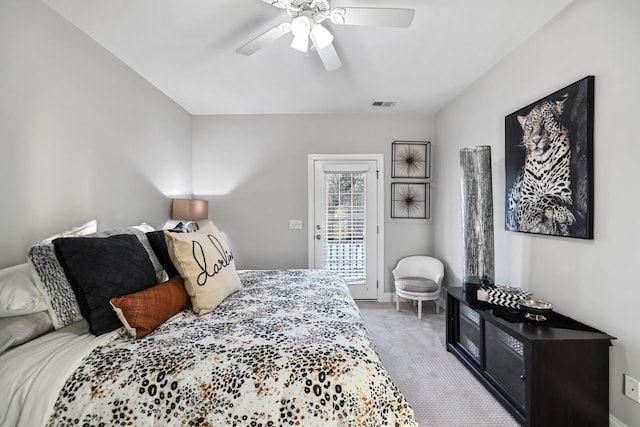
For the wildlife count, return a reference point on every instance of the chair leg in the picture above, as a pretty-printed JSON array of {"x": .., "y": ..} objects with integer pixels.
[
  {"x": 397, "y": 302},
  {"x": 419, "y": 310},
  {"x": 437, "y": 306}
]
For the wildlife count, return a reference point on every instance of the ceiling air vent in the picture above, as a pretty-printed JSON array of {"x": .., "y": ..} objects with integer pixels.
[{"x": 383, "y": 103}]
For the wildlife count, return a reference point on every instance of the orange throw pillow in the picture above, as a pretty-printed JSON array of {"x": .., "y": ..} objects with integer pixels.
[{"x": 141, "y": 312}]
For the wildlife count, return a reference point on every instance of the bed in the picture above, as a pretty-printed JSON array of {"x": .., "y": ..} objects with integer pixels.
[{"x": 288, "y": 348}]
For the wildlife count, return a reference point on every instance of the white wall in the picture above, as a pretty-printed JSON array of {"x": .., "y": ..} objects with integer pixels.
[
  {"x": 81, "y": 135},
  {"x": 595, "y": 281},
  {"x": 253, "y": 169}
]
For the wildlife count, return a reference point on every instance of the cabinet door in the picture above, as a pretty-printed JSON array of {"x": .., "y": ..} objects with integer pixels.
[
  {"x": 505, "y": 364},
  {"x": 469, "y": 332}
]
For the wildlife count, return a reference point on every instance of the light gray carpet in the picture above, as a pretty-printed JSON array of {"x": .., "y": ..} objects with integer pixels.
[{"x": 441, "y": 391}]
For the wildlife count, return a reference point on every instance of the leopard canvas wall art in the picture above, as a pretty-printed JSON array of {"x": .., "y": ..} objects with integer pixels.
[{"x": 549, "y": 164}]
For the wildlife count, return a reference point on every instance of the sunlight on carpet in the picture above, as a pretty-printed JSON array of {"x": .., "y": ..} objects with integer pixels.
[{"x": 441, "y": 391}]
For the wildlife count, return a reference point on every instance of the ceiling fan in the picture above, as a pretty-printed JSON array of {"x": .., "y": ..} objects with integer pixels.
[{"x": 306, "y": 25}]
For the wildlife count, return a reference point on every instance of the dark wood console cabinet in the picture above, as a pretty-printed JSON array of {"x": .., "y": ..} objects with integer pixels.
[{"x": 550, "y": 373}]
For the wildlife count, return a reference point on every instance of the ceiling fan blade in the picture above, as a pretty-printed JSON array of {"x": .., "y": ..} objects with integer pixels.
[
  {"x": 329, "y": 57},
  {"x": 383, "y": 17},
  {"x": 282, "y": 4},
  {"x": 264, "y": 39}
]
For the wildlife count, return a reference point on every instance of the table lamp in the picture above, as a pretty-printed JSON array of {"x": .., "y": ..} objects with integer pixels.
[{"x": 189, "y": 210}]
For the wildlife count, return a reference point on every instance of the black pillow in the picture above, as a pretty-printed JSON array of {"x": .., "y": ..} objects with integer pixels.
[
  {"x": 159, "y": 246},
  {"x": 99, "y": 269}
]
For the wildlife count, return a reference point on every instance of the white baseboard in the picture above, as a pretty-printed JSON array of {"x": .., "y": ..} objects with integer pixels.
[{"x": 614, "y": 422}]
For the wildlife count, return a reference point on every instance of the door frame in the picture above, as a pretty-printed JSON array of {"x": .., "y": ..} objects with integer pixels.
[{"x": 379, "y": 159}]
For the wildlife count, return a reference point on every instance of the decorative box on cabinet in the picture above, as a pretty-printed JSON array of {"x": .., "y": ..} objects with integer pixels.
[{"x": 549, "y": 373}]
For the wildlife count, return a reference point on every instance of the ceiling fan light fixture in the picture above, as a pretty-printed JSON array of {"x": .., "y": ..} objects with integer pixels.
[
  {"x": 300, "y": 27},
  {"x": 320, "y": 36},
  {"x": 300, "y": 43}
]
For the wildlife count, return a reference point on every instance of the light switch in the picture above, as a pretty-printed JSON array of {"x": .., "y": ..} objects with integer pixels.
[{"x": 295, "y": 224}]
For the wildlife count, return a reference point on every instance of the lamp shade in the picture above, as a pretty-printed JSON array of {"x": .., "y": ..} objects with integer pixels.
[
  {"x": 321, "y": 36},
  {"x": 189, "y": 209}
]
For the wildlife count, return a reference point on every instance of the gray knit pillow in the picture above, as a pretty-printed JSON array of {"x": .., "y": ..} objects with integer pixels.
[{"x": 56, "y": 290}]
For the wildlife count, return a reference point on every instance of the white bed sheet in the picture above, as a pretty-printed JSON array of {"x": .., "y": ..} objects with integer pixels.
[{"x": 31, "y": 375}]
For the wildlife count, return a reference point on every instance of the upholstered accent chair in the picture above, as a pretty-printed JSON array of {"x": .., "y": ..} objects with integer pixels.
[{"x": 418, "y": 278}]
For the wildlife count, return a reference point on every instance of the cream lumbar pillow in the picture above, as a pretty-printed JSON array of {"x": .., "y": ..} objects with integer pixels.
[{"x": 205, "y": 262}]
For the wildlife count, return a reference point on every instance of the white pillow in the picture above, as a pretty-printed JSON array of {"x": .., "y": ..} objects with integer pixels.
[
  {"x": 205, "y": 262},
  {"x": 144, "y": 227},
  {"x": 18, "y": 292},
  {"x": 20, "y": 329},
  {"x": 81, "y": 230}
]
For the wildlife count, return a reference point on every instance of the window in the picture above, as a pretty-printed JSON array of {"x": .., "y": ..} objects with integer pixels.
[{"x": 345, "y": 224}]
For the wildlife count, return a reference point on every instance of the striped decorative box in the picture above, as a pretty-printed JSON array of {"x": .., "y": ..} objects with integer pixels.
[{"x": 504, "y": 296}]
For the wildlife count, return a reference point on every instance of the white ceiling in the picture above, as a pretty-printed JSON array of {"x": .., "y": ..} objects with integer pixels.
[{"x": 186, "y": 48}]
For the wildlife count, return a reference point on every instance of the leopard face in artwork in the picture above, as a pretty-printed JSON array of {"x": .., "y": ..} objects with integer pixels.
[{"x": 540, "y": 199}]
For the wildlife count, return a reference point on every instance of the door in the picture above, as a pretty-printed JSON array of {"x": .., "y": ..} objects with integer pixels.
[{"x": 345, "y": 222}]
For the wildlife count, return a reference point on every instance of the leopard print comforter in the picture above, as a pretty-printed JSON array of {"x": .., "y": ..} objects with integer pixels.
[{"x": 290, "y": 348}]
